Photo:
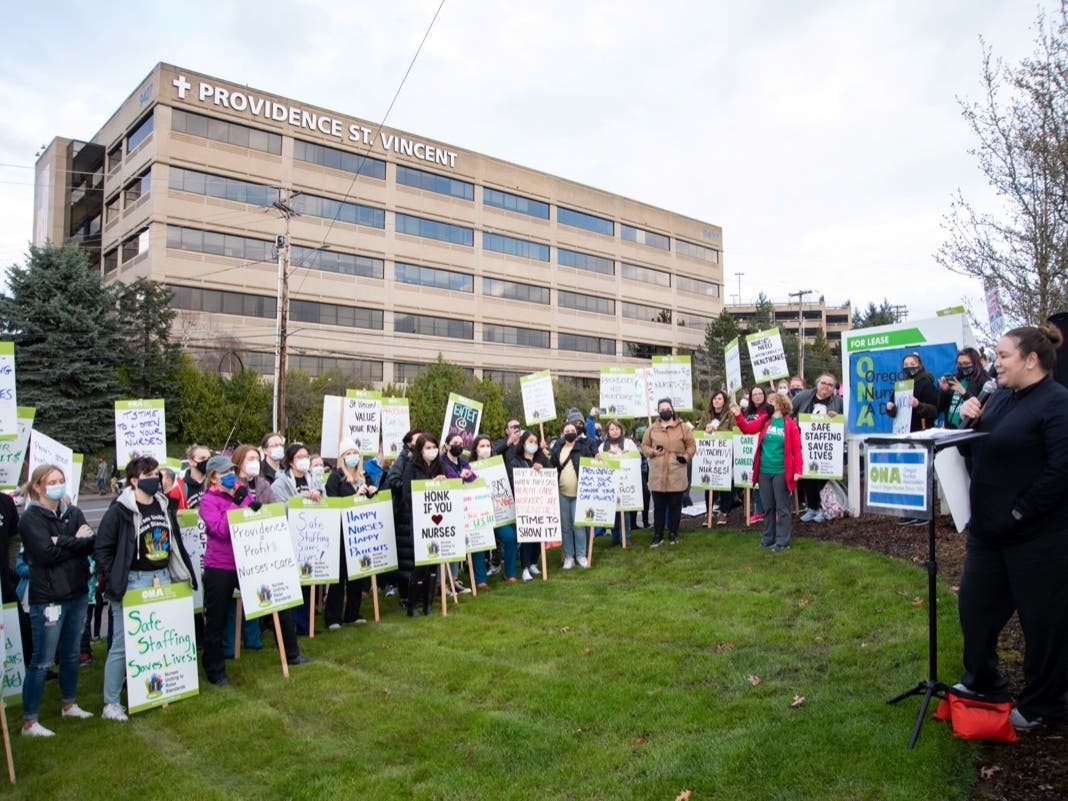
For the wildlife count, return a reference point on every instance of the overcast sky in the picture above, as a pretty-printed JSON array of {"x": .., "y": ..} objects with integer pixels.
[{"x": 825, "y": 137}]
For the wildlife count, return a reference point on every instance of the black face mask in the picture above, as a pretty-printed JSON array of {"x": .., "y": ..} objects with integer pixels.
[
  {"x": 666, "y": 414},
  {"x": 147, "y": 485},
  {"x": 456, "y": 450},
  {"x": 202, "y": 467},
  {"x": 965, "y": 372},
  {"x": 570, "y": 436},
  {"x": 911, "y": 372},
  {"x": 795, "y": 392}
]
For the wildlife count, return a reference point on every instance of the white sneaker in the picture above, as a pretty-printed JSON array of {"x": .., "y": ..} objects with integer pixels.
[
  {"x": 526, "y": 575},
  {"x": 568, "y": 563},
  {"x": 534, "y": 570},
  {"x": 818, "y": 517},
  {"x": 461, "y": 589},
  {"x": 35, "y": 729},
  {"x": 582, "y": 561},
  {"x": 75, "y": 711},
  {"x": 808, "y": 515},
  {"x": 114, "y": 712},
  {"x": 334, "y": 627},
  {"x": 1016, "y": 718}
]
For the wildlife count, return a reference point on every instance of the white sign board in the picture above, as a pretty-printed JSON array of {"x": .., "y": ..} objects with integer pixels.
[
  {"x": 396, "y": 422},
  {"x": 732, "y": 361},
  {"x": 767, "y": 356},
  {"x": 438, "y": 521},
  {"x": 897, "y": 480},
  {"x": 8, "y": 405},
  {"x": 161, "y": 645},
  {"x": 744, "y": 452},
  {"x": 539, "y": 405},
  {"x": 45, "y": 450},
  {"x": 713, "y": 463},
  {"x": 822, "y": 445},
  {"x": 140, "y": 430},
  {"x": 14, "y": 660},
  {"x": 369, "y": 534},
  {"x": 316, "y": 532},
  {"x": 622, "y": 392},
  {"x": 195, "y": 539},
  {"x": 598, "y": 484},
  {"x": 267, "y": 571},
  {"x": 13, "y": 449},
  {"x": 537, "y": 505},
  {"x": 478, "y": 516}
]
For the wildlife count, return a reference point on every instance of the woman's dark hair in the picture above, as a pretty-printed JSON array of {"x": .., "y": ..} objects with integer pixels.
[
  {"x": 524, "y": 435},
  {"x": 617, "y": 424},
  {"x": 292, "y": 449},
  {"x": 719, "y": 393},
  {"x": 754, "y": 407},
  {"x": 1042, "y": 340},
  {"x": 915, "y": 356},
  {"x": 478, "y": 439}
]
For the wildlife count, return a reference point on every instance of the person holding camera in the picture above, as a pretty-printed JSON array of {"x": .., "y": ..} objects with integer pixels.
[
  {"x": 669, "y": 445},
  {"x": 966, "y": 382}
]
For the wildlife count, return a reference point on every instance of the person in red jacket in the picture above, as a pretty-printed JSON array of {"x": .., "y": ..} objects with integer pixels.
[{"x": 777, "y": 464}]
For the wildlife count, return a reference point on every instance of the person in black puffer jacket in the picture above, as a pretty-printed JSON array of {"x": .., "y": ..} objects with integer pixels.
[{"x": 423, "y": 465}]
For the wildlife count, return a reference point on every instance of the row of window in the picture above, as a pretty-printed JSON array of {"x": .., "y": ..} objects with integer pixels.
[{"x": 231, "y": 133}]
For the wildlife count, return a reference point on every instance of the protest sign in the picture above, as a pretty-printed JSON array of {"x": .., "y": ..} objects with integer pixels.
[
  {"x": 537, "y": 505},
  {"x": 672, "y": 377},
  {"x": 822, "y": 445},
  {"x": 622, "y": 392},
  {"x": 316, "y": 532},
  {"x": 9, "y": 415},
  {"x": 369, "y": 534},
  {"x": 462, "y": 416},
  {"x": 713, "y": 463},
  {"x": 897, "y": 480},
  {"x": 267, "y": 571},
  {"x": 539, "y": 405},
  {"x": 140, "y": 430},
  {"x": 362, "y": 420},
  {"x": 744, "y": 451},
  {"x": 767, "y": 356},
  {"x": 161, "y": 645},
  {"x": 45, "y": 450},
  {"x": 195, "y": 539},
  {"x": 732, "y": 361},
  {"x": 478, "y": 516},
  {"x": 13, "y": 449},
  {"x": 903, "y": 402},
  {"x": 495, "y": 474},
  {"x": 77, "y": 462},
  {"x": 396, "y": 422},
  {"x": 14, "y": 659},
  {"x": 595, "y": 504},
  {"x": 629, "y": 465},
  {"x": 438, "y": 521}
]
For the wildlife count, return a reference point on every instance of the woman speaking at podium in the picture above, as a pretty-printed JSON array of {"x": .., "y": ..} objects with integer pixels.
[{"x": 1017, "y": 554}]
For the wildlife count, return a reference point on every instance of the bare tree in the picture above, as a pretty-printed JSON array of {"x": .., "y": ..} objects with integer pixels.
[{"x": 1021, "y": 125}]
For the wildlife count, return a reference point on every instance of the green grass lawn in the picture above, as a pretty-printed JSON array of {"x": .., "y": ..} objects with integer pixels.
[{"x": 653, "y": 673}]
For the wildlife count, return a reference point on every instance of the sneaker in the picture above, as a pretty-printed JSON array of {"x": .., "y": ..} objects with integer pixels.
[
  {"x": 818, "y": 517},
  {"x": 764, "y": 545},
  {"x": 526, "y": 575},
  {"x": 721, "y": 519},
  {"x": 300, "y": 659},
  {"x": 360, "y": 621},
  {"x": 492, "y": 571},
  {"x": 808, "y": 515},
  {"x": 757, "y": 518},
  {"x": 221, "y": 682},
  {"x": 534, "y": 570},
  {"x": 35, "y": 729},
  {"x": 568, "y": 563},
  {"x": 334, "y": 627},
  {"x": 75, "y": 711},
  {"x": 1018, "y": 721},
  {"x": 85, "y": 658},
  {"x": 779, "y": 548},
  {"x": 673, "y": 541},
  {"x": 391, "y": 590},
  {"x": 461, "y": 589},
  {"x": 655, "y": 543},
  {"x": 918, "y": 522},
  {"x": 582, "y": 561},
  {"x": 114, "y": 712}
]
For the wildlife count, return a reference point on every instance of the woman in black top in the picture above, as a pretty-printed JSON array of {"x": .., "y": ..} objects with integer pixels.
[
  {"x": 347, "y": 480},
  {"x": 424, "y": 464},
  {"x": 528, "y": 453},
  {"x": 924, "y": 394}
]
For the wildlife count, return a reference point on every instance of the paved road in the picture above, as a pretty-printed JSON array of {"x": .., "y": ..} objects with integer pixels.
[{"x": 93, "y": 506}]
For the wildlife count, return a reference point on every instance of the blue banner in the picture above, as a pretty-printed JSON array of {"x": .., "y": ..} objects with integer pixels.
[{"x": 871, "y": 382}]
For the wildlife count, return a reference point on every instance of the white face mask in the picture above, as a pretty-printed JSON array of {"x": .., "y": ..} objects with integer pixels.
[
  {"x": 352, "y": 459},
  {"x": 485, "y": 453},
  {"x": 302, "y": 464},
  {"x": 430, "y": 454},
  {"x": 531, "y": 448},
  {"x": 277, "y": 453},
  {"x": 252, "y": 469}
]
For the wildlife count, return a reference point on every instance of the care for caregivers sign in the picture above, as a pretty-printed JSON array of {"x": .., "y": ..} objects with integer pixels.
[
  {"x": 539, "y": 404},
  {"x": 897, "y": 480},
  {"x": 369, "y": 534},
  {"x": 316, "y": 532},
  {"x": 396, "y": 422},
  {"x": 477, "y": 503},
  {"x": 713, "y": 463},
  {"x": 8, "y": 406},
  {"x": 161, "y": 645},
  {"x": 462, "y": 416},
  {"x": 13, "y": 449},
  {"x": 438, "y": 521},
  {"x": 732, "y": 364},
  {"x": 45, "y": 450},
  {"x": 744, "y": 452},
  {"x": 622, "y": 392},
  {"x": 672, "y": 377},
  {"x": 767, "y": 356},
  {"x": 195, "y": 539},
  {"x": 598, "y": 484},
  {"x": 140, "y": 430},
  {"x": 822, "y": 445},
  {"x": 14, "y": 662},
  {"x": 495, "y": 474},
  {"x": 267, "y": 571},
  {"x": 537, "y": 505}
]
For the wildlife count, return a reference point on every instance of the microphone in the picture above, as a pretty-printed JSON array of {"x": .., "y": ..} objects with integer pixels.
[{"x": 989, "y": 388}]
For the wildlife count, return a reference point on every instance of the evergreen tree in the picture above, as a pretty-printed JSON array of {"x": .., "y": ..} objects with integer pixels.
[
  {"x": 874, "y": 315},
  {"x": 821, "y": 358},
  {"x": 428, "y": 396},
  {"x": 62, "y": 319},
  {"x": 148, "y": 358},
  {"x": 709, "y": 366}
]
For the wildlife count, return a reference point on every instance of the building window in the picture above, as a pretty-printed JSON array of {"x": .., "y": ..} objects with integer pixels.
[
  {"x": 231, "y": 133},
  {"x": 650, "y": 314},
  {"x": 506, "y": 379},
  {"x": 690, "y": 320},
  {"x": 203, "y": 183},
  {"x": 338, "y": 159},
  {"x": 135, "y": 245},
  {"x": 333, "y": 261},
  {"x": 432, "y": 229},
  {"x": 432, "y": 277},
  {"x": 585, "y": 261},
  {"x": 362, "y": 369},
  {"x": 579, "y": 219},
  {"x": 406, "y": 372},
  {"x": 631, "y": 234},
  {"x": 216, "y": 301},
  {"x": 115, "y": 157},
  {"x": 584, "y": 344},
  {"x": 518, "y": 203},
  {"x": 515, "y": 247},
  {"x": 432, "y": 182},
  {"x": 219, "y": 244},
  {"x": 433, "y": 326},
  {"x": 645, "y": 350},
  {"x": 307, "y": 311},
  {"x": 697, "y": 286},
  {"x": 137, "y": 188},
  {"x": 514, "y": 290},
  {"x": 140, "y": 133},
  {"x": 684, "y": 248},
  {"x": 112, "y": 209},
  {"x": 512, "y": 335},
  {"x": 339, "y": 210},
  {"x": 111, "y": 261},
  {"x": 586, "y": 303},
  {"x": 646, "y": 275}
]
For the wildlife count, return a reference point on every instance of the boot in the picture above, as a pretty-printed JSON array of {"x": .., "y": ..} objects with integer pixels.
[
  {"x": 415, "y": 596},
  {"x": 430, "y": 588}
]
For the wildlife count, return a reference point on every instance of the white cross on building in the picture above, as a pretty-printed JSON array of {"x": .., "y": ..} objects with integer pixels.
[{"x": 182, "y": 85}]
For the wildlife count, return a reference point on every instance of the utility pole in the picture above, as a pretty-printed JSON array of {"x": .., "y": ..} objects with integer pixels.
[
  {"x": 901, "y": 312},
  {"x": 739, "y": 275},
  {"x": 800, "y": 295},
  {"x": 278, "y": 411}
]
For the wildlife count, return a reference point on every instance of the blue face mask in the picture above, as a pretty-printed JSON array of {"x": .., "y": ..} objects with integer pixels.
[
  {"x": 55, "y": 492},
  {"x": 352, "y": 460},
  {"x": 228, "y": 480}
]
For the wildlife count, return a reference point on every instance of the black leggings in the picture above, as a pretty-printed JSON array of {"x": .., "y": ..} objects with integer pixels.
[{"x": 672, "y": 501}]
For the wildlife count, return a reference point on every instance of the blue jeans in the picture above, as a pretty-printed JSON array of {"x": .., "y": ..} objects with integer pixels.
[
  {"x": 509, "y": 548},
  {"x": 54, "y": 641},
  {"x": 574, "y": 539},
  {"x": 115, "y": 666}
]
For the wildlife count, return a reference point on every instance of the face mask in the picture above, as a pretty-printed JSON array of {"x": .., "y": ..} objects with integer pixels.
[
  {"x": 570, "y": 436},
  {"x": 783, "y": 391},
  {"x": 666, "y": 414},
  {"x": 228, "y": 481},
  {"x": 55, "y": 492},
  {"x": 965, "y": 372},
  {"x": 318, "y": 470},
  {"x": 302, "y": 465},
  {"x": 456, "y": 450},
  {"x": 485, "y": 453},
  {"x": 148, "y": 485},
  {"x": 531, "y": 448},
  {"x": 252, "y": 469},
  {"x": 277, "y": 453},
  {"x": 795, "y": 392},
  {"x": 202, "y": 466},
  {"x": 352, "y": 460},
  {"x": 430, "y": 454},
  {"x": 911, "y": 372}
]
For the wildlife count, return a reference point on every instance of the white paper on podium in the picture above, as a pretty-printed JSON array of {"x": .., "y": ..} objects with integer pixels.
[{"x": 953, "y": 476}]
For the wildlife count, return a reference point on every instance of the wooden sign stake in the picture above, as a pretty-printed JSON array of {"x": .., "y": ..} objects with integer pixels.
[
  {"x": 471, "y": 574},
  {"x": 7, "y": 743},
  {"x": 237, "y": 628},
  {"x": 589, "y": 546},
  {"x": 544, "y": 564},
  {"x": 374, "y": 595},
  {"x": 281, "y": 645},
  {"x": 623, "y": 528},
  {"x": 441, "y": 582},
  {"x": 311, "y": 612}
]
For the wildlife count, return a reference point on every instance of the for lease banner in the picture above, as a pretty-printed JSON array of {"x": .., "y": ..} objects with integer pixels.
[
  {"x": 822, "y": 445},
  {"x": 537, "y": 505},
  {"x": 267, "y": 571},
  {"x": 462, "y": 416},
  {"x": 478, "y": 516},
  {"x": 316, "y": 532},
  {"x": 744, "y": 451},
  {"x": 438, "y": 521},
  {"x": 369, "y": 534},
  {"x": 495, "y": 474},
  {"x": 140, "y": 430},
  {"x": 713, "y": 463},
  {"x": 767, "y": 356},
  {"x": 622, "y": 392},
  {"x": 539, "y": 405},
  {"x": 161, "y": 645},
  {"x": 13, "y": 449},
  {"x": 194, "y": 538},
  {"x": 396, "y": 422},
  {"x": 672, "y": 377}
]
